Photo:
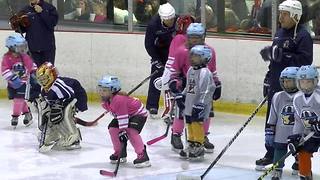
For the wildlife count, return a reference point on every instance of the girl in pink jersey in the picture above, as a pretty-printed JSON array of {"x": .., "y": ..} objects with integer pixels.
[
  {"x": 129, "y": 119},
  {"x": 16, "y": 66}
]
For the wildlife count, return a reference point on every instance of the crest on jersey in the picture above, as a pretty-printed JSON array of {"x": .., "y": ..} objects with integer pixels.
[
  {"x": 19, "y": 69},
  {"x": 286, "y": 44},
  {"x": 191, "y": 86},
  {"x": 307, "y": 116},
  {"x": 287, "y": 115}
]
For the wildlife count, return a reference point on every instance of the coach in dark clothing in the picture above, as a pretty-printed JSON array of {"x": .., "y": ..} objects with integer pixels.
[
  {"x": 292, "y": 46},
  {"x": 159, "y": 34},
  {"x": 40, "y": 34}
]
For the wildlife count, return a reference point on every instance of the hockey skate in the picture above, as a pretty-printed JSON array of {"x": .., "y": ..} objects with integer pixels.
[
  {"x": 262, "y": 163},
  {"x": 75, "y": 145},
  {"x": 123, "y": 157},
  {"x": 208, "y": 146},
  {"x": 176, "y": 143},
  {"x": 153, "y": 113},
  {"x": 142, "y": 160},
  {"x": 295, "y": 168},
  {"x": 277, "y": 174},
  {"x": 14, "y": 121},
  {"x": 196, "y": 151},
  {"x": 27, "y": 121},
  {"x": 47, "y": 147}
]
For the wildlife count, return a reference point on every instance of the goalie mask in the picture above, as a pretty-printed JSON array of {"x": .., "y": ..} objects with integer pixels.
[{"x": 46, "y": 75}]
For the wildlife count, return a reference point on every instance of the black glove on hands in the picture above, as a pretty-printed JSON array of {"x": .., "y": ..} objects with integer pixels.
[
  {"x": 157, "y": 64},
  {"x": 217, "y": 92},
  {"x": 293, "y": 143},
  {"x": 180, "y": 98},
  {"x": 271, "y": 53},
  {"x": 123, "y": 137},
  {"x": 315, "y": 125}
]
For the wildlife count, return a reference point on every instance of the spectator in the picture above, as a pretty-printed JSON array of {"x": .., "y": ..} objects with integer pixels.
[
  {"x": 159, "y": 34},
  {"x": 100, "y": 11},
  {"x": 82, "y": 12},
  {"x": 144, "y": 10},
  {"x": 121, "y": 13}
]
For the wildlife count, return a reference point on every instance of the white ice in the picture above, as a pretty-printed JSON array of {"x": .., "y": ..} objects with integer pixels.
[{"x": 20, "y": 159}]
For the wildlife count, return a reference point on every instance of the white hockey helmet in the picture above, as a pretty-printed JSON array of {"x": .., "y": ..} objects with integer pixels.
[
  {"x": 294, "y": 7},
  {"x": 166, "y": 11}
]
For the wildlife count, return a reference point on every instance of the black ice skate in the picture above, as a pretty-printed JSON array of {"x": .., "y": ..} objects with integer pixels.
[
  {"x": 153, "y": 113},
  {"x": 123, "y": 156},
  {"x": 196, "y": 151},
  {"x": 142, "y": 160},
  {"x": 27, "y": 121},
  {"x": 176, "y": 142},
  {"x": 14, "y": 121},
  {"x": 208, "y": 146},
  {"x": 277, "y": 174},
  {"x": 262, "y": 163},
  {"x": 295, "y": 168}
]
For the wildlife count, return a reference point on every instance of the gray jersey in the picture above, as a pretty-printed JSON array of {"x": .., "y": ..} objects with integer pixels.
[
  {"x": 282, "y": 116},
  {"x": 305, "y": 109},
  {"x": 199, "y": 89}
]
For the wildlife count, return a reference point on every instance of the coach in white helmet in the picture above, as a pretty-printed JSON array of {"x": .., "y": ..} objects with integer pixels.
[
  {"x": 159, "y": 34},
  {"x": 292, "y": 46}
]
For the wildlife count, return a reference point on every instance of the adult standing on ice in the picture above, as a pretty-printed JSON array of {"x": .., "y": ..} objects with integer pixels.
[{"x": 292, "y": 46}]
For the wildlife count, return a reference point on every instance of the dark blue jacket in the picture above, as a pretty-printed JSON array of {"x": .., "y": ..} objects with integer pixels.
[
  {"x": 40, "y": 34},
  {"x": 296, "y": 52},
  {"x": 158, "y": 38}
]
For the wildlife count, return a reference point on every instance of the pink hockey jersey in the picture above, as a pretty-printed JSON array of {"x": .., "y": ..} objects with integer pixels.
[
  {"x": 10, "y": 63},
  {"x": 123, "y": 107},
  {"x": 181, "y": 63}
]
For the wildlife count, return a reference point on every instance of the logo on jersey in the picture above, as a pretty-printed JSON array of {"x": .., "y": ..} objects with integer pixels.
[
  {"x": 286, "y": 44},
  {"x": 307, "y": 116},
  {"x": 287, "y": 115},
  {"x": 19, "y": 69},
  {"x": 191, "y": 86}
]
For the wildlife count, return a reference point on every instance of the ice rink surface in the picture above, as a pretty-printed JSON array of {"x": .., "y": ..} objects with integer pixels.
[{"x": 20, "y": 159}]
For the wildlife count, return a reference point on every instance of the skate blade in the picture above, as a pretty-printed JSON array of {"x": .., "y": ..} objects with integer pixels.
[
  {"x": 142, "y": 165},
  {"x": 208, "y": 150},
  {"x": 260, "y": 168},
  {"x": 29, "y": 123},
  {"x": 122, "y": 160},
  {"x": 196, "y": 159}
]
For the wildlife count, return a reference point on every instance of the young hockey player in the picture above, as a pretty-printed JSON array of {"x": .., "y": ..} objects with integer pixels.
[
  {"x": 16, "y": 67},
  {"x": 198, "y": 99},
  {"x": 307, "y": 109},
  {"x": 281, "y": 119},
  {"x": 179, "y": 68},
  {"x": 129, "y": 119},
  {"x": 61, "y": 98}
]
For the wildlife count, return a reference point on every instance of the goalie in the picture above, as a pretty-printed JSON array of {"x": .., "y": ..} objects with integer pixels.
[{"x": 61, "y": 98}]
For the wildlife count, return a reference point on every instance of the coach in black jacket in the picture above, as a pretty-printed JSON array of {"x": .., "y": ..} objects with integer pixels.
[{"x": 40, "y": 34}]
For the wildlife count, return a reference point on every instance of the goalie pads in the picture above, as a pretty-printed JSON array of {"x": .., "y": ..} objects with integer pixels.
[{"x": 56, "y": 115}]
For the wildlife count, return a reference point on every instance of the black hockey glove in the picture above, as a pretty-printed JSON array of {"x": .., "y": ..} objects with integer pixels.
[
  {"x": 157, "y": 64},
  {"x": 315, "y": 125},
  {"x": 198, "y": 111},
  {"x": 271, "y": 53},
  {"x": 123, "y": 137},
  {"x": 266, "y": 86},
  {"x": 180, "y": 98},
  {"x": 173, "y": 86},
  {"x": 293, "y": 143},
  {"x": 217, "y": 92},
  {"x": 269, "y": 137}
]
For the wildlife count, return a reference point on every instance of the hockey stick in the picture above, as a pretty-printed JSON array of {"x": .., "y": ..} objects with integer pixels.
[
  {"x": 91, "y": 123},
  {"x": 115, "y": 172},
  {"x": 275, "y": 165},
  {"x": 184, "y": 177},
  {"x": 152, "y": 141}
]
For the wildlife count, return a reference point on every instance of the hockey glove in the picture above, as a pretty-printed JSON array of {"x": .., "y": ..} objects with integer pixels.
[
  {"x": 217, "y": 92},
  {"x": 293, "y": 143},
  {"x": 157, "y": 64},
  {"x": 269, "y": 137},
  {"x": 123, "y": 137},
  {"x": 174, "y": 87},
  {"x": 15, "y": 82},
  {"x": 266, "y": 86},
  {"x": 198, "y": 111},
  {"x": 315, "y": 125},
  {"x": 266, "y": 53},
  {"x": 180, "y": 98}
]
